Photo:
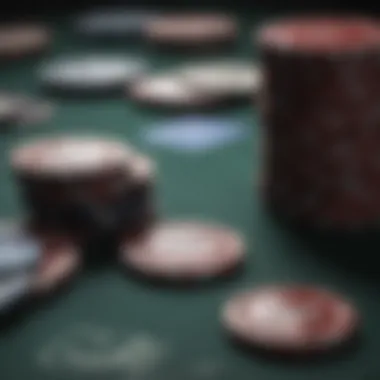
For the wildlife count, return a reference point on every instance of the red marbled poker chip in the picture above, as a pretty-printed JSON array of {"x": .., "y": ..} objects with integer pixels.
[
  {"x": 290, "y": 319},
  {"x": 184, "y": 250}
]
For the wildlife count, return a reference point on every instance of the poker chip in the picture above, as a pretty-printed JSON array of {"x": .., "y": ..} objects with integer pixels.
[
  {"x": 22, "y": 40},
  {"x": 195, "y": 134},
  {"x": 321, "y": 172},
  {"x": 320, "y": 34},
  {"x": 290, "y": 319},
  {"x": 67, "y": 156},
  {"x": 92, "y": 73},
  {"x": 231, "y": 79},
  {"x": 191, "y": 30},
  {"x": 19, "y": 250},
  {"x": 112, "y": 23},
  {"x": 183, "y": 251},
  {"x": 60, "y": 262},
  {"x": 169, "y": 91},
  {"x": 13, "y": 289}
]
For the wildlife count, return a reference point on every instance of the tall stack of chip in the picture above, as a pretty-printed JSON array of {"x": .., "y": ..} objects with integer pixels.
[
  {"x": 320, "y": 109},
  {"x": 84, "y": 186}
]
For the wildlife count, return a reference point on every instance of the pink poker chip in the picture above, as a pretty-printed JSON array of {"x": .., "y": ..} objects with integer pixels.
[
  {"x": 185, "y": 251},
  {"x": 290, "y": 319}
]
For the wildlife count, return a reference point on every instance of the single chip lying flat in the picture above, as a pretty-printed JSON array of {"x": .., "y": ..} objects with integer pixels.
[
  {"x": 169, "y": 91},
  {"x": 228, "y": 78},
  {"x": 113, "y": 23},
  {"x": 191, "y": 29},
  {"x": 184, "y": 251},
  {"x": 92, "y": 73},
  {"x": 290, "y": 319}
]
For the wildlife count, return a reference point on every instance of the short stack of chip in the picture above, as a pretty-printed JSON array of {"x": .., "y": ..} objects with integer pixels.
[
  {"x": 85, "y": 186},
  {"x": 321, "y": 116}
]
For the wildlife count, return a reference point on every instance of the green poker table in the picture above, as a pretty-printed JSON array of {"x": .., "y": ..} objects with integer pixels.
[{"x": 108, "y": 325}]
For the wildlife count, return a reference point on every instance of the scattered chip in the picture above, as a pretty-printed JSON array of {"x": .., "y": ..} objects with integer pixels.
[
  {"x": 17, "y": 41},
  {"x": 195, "y": 134},
  {"x": 19, "y": 251},
  {"x": 230, "y": 79},
  {"x": 60, "y": 262},
  {"x": 290, "y": 319},
  {"x": 170, "y": 91},
  {"x": 184, "y": 251},
  {"x": 191, "y": 30},
  {"x": 69, "y": 156},
  {"x": 113, "y": 23},
  {"x": 92, "y": 73}
]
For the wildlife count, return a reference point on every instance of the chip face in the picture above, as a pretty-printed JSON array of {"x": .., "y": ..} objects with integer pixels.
[
  {"x": 230, "y": 78},
  {"x": 184, "y": 251},
  {"x": 169, "y": 91},
  {"x": 70, "y": 156},
  {"x": 19, "y": 251},
  {"x": 290, "y": 319},
  {"x": 92, "y": 72}
]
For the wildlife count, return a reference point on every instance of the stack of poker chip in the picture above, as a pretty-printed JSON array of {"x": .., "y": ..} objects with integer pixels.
[
  {"x": 320, "y": 109},
  {"x": 85, "y": 186}
]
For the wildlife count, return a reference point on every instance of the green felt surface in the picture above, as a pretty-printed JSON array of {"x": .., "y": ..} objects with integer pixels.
[{"x": 109, "y": 326}]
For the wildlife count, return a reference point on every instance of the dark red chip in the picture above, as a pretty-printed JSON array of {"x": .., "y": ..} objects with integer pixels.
[{"x": 290, "y": 319}]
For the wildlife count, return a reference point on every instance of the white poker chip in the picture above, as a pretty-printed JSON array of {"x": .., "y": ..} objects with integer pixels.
[
  {"x": 112, "y": 23},
  {"x": 13, "y": 289},
  {"x": 18, "y": 250},
  {"x": 231, "y": 78},
  {"x": 92, "y": 72},
  {"x": 169, "y": 90}
]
